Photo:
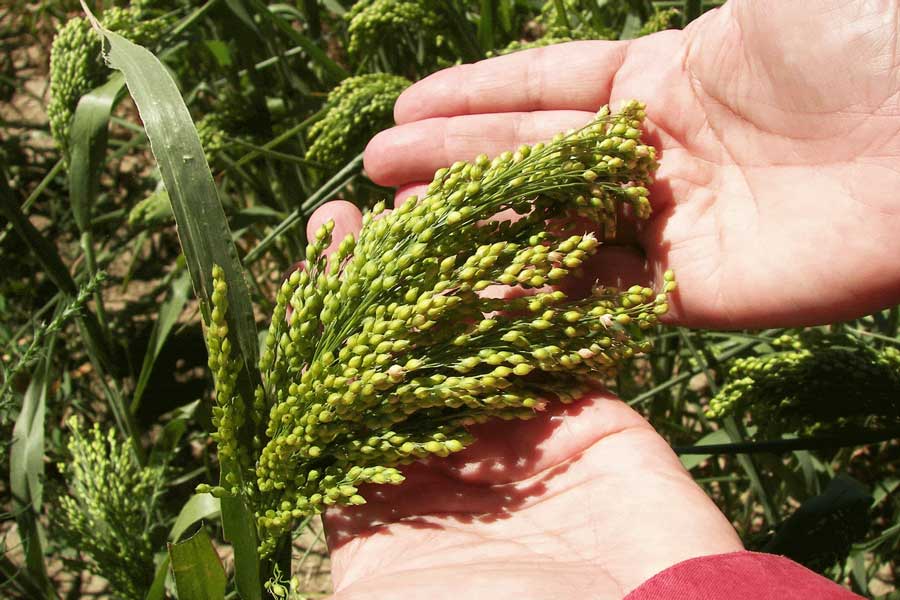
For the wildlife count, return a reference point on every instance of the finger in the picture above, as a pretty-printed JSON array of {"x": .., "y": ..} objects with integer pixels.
[
  {"x": 415, "y": 151},
  {"x": 346, "y": 217},
  {"x": 575, "y": 76},
  {"x": 404, "y": 192}
]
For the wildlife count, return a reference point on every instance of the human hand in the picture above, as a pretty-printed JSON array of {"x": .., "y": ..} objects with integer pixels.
[
  {"x": 779, "y": 130},
  {"x": 585, "y": 500}
]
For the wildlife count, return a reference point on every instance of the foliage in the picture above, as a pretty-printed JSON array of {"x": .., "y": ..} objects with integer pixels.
[
  {"x": 285, "y": 96},
  {"x": 390, "y": 352},
  {"x": 76, "y": 66},
  {"x": 407, "y": 22},
  {"x": 356, "y": 110},
  {"x": 109, "y": 508}
]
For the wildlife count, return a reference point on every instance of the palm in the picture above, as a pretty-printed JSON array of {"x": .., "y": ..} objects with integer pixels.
[
  {"x": 588, "y": 501},
  {"x": 779, "y": 130}
]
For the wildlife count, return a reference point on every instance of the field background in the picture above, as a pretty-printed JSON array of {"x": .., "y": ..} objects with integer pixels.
[{"x": 98, "y": 318}]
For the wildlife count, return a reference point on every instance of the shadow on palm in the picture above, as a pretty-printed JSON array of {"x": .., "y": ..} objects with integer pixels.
[{"x": 585, "y": 488}]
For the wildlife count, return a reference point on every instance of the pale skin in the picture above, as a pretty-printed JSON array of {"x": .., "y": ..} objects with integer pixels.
[{"x": 776, "y": 204}]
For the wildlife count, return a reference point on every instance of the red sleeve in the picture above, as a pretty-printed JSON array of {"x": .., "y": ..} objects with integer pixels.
[{"x": 739, "y": 576}]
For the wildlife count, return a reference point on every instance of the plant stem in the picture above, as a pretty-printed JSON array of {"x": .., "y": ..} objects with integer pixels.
[{"x": 782, "y": 446}]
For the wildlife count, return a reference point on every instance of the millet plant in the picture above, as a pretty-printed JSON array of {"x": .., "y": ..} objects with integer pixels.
[
  {"x": 384, "y": 352},
  {"x": 343, "y": 371}
]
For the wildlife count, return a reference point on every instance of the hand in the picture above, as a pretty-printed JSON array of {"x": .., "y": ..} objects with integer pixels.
[
  {"x": 779, "y": 128},
  {"x": 585, "y": 500}
]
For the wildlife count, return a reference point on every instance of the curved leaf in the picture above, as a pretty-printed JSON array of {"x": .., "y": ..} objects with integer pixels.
[
  {"x": 198, "y": 571},
  {"x": 198, "y": 507}
]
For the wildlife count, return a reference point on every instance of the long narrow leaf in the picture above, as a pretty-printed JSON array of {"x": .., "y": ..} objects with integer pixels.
[
  {"x": 205, "y": 238},
  {"x": 165, "y": 320},
  {"x": 318, "y": 197},
  {"x": 335, "y": 72},
  {"x": 202, "y": 226},
  {"x": 198, "y": 507},
  {"x": 56, "y": 270},
  {"x": 198, "y": 571},
  {"x": 90, "y": 127},
  {"x": 26, "y": 456},
  {"x": 157, "y": 589},
  {"x": 26, "y": 471}
]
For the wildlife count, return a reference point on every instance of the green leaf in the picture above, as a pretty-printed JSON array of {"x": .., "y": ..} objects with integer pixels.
[
  {"x": 205, "y": 238},
  {"x": 316, "y": 54},
  {"x": 239, "y": 524},
  {"x": 220, "y": 52},
  {"x": 56, "y": 270},
  {"x": 632, "y": 26},
  {"x": 691, "y": 461},
  {"x": 26, "y": 466},
  {"x": 486, "y": 25},
  {"x": 43, "y": 250},
  {"x": 165, "y": 320},
  {"x": 199, "y": 574},
  {"x": 27, "y": 452},
  {"x": 157, "y": 589},
  {"x": 198, "y": 506},
  {"x": 339, "y": 180},
  {"x": 202, "y": 226},
  {"x": 692, "y": 9},
  {"x": 167, "y": 442},
  {"x": 26, "y": 456},
  {"x": 87, "y": 145}
]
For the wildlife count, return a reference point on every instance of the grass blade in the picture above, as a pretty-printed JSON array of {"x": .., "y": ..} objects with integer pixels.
[
  {"x": 88, "y": 140},
  {"x": 87, "y": 143},
  {"x": 198, "y": 571},
  {"x": 316, "y": 54},
  {"x": 157, "y": 589},
  {"x": 205, "y": 238},
  {"x": 486, "y": 25},
  {"x": 202, "y": 226},
  {"x": 26, "y": 472},
  {"x": 165, "y": 321},
  {"x": 56, "y": 270},
  {"x": 198, "y": 507},
  {"x": 692, "y": 9},
  {"x": 331, "y": 186}
]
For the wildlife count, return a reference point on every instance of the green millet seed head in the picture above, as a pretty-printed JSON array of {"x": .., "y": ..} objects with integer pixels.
[
  {"x": 76, "y": 65},
  {"x": 390, "y": 352},
  {"x": 356, "y": 110},
  {"x": 371, "y": 22},
  {"x": 812, "y": 380},
  {"x": 110, "y": 503}
]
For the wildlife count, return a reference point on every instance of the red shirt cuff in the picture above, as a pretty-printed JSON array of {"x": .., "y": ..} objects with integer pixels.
[{"x": 739, "y": 576}]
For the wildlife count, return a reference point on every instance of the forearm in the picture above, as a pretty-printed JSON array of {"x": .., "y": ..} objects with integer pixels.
[{"x": 739, "y": 576}]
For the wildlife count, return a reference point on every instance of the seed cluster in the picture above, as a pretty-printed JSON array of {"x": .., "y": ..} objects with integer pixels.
[
  {"x": 579, "y": 20},
  {"x": 110, "y": 503},
  {"x": 668, "y": 18},
  {"x": 371, "y": 22},
  {"x": 441, "y": 314},
  {"x": 579, "y": 25},
  {"x": 356, "y": 110},
  {"x": 815, "y": 379},
  {"x": 76, "y": 66}
]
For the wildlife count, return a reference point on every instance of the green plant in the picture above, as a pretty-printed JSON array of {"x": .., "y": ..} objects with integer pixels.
[
  {"x": 76, "y": 66},
  {"x": 389, "y": 350},
  {"x": 813, "y": 380},
  {"x": 109, "y": 508},
  {"x": 416, "y": 27},
  {"x": 356, "y": 110},
  {"x": 263, "y": 81}
]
